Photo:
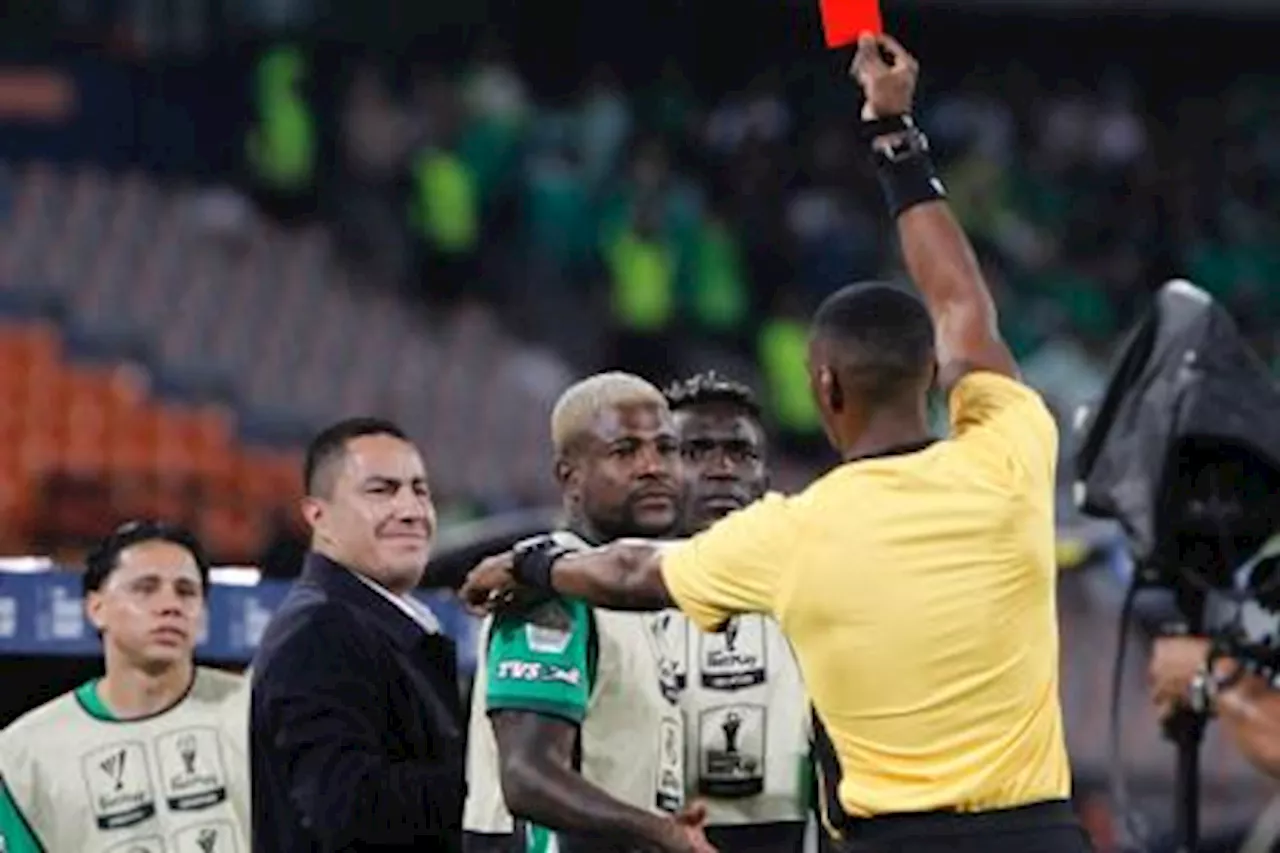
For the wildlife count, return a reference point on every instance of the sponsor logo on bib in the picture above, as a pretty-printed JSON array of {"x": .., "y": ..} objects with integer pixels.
[
  {"x": 670, "y": 634},
  {"x": 192, "y": 775},
  {"x": 549, "y": 629},
  {"x": 731, "y": 750},
  {"x": 670, "y": 765},
  {"x": 215, "y": 837},
  {"x": 119, "y": 784},
  {"x": 735, "y": 657},
  {"x": 520, "y": 670}
]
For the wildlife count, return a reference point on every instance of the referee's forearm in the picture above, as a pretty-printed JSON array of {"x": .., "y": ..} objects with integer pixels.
[{"x": 625, "y": 575}]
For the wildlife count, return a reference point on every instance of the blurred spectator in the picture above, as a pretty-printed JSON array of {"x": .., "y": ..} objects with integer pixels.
[
  {"x": 783, "y": 354},
  {"x": 445, "y": 205},
  {"x": 641, "y": 263},
  {"x": 282, "y": 145},
  {"x": 720, "y": 299},
  {"x": 373, "y": 148},
  {"x": 604, "y": 123},
  {"x": 497, "y": 113}
]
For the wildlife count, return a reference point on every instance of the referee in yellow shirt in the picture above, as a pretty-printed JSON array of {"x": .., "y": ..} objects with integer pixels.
[{"x": 916, "y": 580}]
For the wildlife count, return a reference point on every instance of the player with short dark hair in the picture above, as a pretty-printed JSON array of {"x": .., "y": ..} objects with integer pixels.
[
  {"x": 357, "y": 729},
  {"x": 152, "y": 756},
  {"x": 723, "y": 443},
  {"x": 330, "y": 446},
  {"x": 741, "y": 685},
  {"x": 916, "y": 580},
  {"x": 105, "y": 558}
]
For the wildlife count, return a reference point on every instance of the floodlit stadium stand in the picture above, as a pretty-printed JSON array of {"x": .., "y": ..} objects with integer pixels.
[{"x": 150, "y": 387}]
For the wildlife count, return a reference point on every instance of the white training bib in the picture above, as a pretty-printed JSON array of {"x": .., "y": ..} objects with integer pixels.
[
  {"x": 171, "y": 783},
  {"x": 746, "y": 717}
]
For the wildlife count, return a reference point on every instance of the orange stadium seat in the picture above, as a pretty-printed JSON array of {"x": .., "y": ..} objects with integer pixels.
[{"x": 83, "y": 425}]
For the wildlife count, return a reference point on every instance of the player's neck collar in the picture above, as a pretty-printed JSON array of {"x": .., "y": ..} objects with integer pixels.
[
  {"x": 895, "y": 450},
  {"x": 89, "y": 698}
]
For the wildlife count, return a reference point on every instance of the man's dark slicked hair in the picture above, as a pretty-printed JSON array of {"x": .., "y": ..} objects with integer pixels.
[
  {"x": 104, "y": 558},
  {"x": 330, "y": 444},
  {"x": 882, "y": 337},
  {"x": 711, "y": 387}
]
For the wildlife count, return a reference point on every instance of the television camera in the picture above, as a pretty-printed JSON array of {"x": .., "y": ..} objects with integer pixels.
[{"x": 1183, "y": 451}]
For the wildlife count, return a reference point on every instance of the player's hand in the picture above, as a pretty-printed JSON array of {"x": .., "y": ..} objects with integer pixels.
[
  {"x": 490, "y": 585},
  {"x": 889, "y": 88},
  {"x": 687, "y": 835},
  {"x": 1174, "y": 663}
]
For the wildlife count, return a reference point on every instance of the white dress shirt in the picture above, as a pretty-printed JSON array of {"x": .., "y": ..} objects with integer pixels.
[{"x": 407, "y": 604}]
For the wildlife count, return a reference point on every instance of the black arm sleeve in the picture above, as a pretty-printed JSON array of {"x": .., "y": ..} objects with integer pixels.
[{"x": 326, "y": 715}]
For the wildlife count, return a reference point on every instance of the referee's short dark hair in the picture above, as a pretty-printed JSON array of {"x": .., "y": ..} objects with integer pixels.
[
  {"x": 330, "y": 445},
  {"x": 708, "y": 388},
  {"x": 105, "y": 558},
  {"x": 881, "y": 339}
]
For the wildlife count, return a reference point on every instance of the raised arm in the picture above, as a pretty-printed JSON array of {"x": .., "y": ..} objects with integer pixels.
[{"x": 938, "y": 255}]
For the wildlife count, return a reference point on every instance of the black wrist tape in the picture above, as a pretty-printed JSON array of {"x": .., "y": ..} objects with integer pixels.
[
  {"x": 871, "y": 129},
  {"x": 908, "y": 181},
  {"x": 532, "y": 566}
]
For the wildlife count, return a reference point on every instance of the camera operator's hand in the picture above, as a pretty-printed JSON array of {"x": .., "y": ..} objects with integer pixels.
[{"x": 1174, "y": 664}]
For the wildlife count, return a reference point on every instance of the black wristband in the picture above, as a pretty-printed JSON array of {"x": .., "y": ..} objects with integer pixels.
[
  {"x": 531, "y": 566},
  {"x": 871, "y": 129},
  {"x": 908, "y": 181}
]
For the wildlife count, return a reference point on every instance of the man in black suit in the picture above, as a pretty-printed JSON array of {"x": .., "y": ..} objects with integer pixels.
[{"x": 357, "y": 732}]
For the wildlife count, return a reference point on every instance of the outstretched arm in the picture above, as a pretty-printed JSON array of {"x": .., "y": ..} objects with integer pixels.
[
  {"x": 732, "y": 567},
  {"x": 939, "y": 257},
  {"x": 625, "y": 575}
]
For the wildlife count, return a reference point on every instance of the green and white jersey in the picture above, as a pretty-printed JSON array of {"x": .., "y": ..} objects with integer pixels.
[
  {"x": 74, "y": 779},
  {"x": 597, "y": 669},
  {"x": 747, "y": 719}
]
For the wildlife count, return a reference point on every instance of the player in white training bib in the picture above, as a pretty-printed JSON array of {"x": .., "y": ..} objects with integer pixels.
[
  {"x": 151, "y": 758},
  {"x": 746, "y": 716},
  {"x": 571, "y": 731}
]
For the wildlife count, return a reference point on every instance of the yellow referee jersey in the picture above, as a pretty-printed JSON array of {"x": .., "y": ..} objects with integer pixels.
[{"x": 918, "y": 591}]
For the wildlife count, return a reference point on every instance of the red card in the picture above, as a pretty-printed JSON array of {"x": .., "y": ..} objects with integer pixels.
[{"x": 843, "y": 21}]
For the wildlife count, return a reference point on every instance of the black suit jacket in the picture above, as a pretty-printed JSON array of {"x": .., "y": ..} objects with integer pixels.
[{"x": 357, "y": 732}]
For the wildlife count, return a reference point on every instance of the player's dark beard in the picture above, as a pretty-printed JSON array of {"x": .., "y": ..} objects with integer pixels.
[{"x": 605, "y": 524}]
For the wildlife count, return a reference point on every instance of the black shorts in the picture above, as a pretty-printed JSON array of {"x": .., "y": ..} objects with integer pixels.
[
  {"x": 1040, "y": 828},
  {"x": 758, "y": 838}
]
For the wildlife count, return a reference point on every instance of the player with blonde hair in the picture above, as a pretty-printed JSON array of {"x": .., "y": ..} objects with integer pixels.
[{"x": 574, "y": 746}]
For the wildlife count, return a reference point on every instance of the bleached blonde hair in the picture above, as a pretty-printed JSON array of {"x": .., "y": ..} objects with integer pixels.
[{"x": 578, "y": 407}]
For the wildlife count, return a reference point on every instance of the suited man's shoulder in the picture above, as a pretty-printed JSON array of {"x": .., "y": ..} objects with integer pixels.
[{"x": 307, "y": 616}]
